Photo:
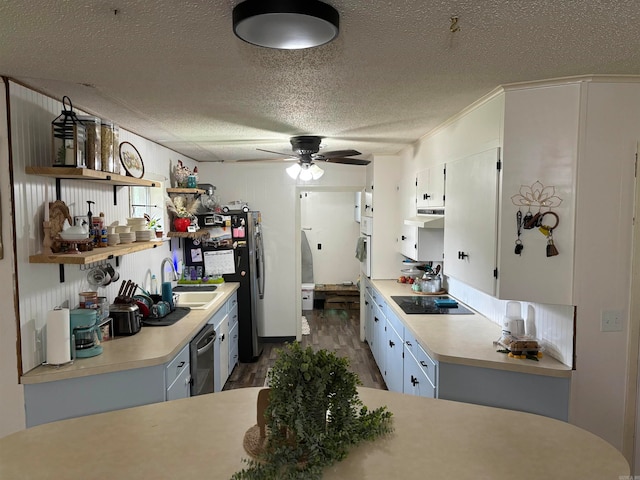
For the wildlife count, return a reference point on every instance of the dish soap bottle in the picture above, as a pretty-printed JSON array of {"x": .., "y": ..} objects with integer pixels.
[{"x": 154, "y": 285}]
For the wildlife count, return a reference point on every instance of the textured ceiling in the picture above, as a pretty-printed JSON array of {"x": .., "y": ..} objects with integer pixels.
[{"x": 175, "y": 73}]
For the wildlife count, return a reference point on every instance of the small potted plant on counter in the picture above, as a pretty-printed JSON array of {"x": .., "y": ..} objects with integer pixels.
[{"x": 312, "y": 414}]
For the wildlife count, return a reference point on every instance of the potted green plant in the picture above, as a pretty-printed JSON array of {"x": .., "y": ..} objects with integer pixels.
[{"x": 313, "y": 417}]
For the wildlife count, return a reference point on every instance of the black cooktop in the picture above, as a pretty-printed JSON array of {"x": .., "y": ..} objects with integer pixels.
[{"x": 425, "y": 305}]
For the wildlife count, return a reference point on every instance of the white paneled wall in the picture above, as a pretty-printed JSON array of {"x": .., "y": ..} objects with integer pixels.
[{"x": 39, "y": 285}]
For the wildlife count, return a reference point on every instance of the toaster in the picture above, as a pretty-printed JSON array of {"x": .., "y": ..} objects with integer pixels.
[{"x": 127, "y": 319}]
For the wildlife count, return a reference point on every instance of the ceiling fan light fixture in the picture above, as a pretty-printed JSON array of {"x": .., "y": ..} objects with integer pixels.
[
  {"x": 285, "y": 24},
  {"x": 305, "y": 175},
  {"x": 294, "y": 170},
  {"x": 316, "y": 171}
]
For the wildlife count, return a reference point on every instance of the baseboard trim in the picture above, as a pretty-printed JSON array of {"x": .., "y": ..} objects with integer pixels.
[{"x": 277, "y": 339}]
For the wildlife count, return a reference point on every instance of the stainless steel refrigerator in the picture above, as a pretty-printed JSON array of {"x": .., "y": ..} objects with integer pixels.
[{"x": 235, "y": 250}]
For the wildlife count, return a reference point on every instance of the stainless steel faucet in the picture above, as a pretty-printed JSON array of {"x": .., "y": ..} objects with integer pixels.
[{"x": 173, "y": 269}]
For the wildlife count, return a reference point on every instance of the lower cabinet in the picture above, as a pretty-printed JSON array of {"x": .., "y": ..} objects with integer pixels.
[
  {"x": 232, "y": 318},
  {"x": 225, "y": 355},
  {"x": 75, "y": 397},
  {"x": 178, "y": 376},
  {"x": 408, "y": 368},
  {"x": 420, "y": 371},
  {"x": 394, "y": 362}
]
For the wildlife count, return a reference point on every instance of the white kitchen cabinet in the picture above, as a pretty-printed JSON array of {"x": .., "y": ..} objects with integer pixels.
[
  {"x": 358, "y": 201},
  {"x": 379, "y": 325},
  {"x": 221, "y": 355},
  {"x": 416, "y": 381},
  {"x": 368, "y": 318},
  {"x": 422, "y": 244},
  {"x": 394, "y": 334},
  {"x": 470, "y": 225},
  {"x": 541, "y": 132},
  {"x": 178, "y": 376},
  {"x": 232, "y": 319},
  {"x": 430, "y": 187}
]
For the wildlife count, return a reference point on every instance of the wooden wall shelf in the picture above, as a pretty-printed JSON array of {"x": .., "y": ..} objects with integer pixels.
[
  {"x": 198, "y": 234},
  {"x": 95, "y": 255},
  {"x": 192, "y": 191},
  {"x": 89, "y": 175}
]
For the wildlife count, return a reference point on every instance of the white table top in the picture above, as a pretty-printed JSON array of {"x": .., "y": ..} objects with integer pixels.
[{"x": 201, "y": 437}]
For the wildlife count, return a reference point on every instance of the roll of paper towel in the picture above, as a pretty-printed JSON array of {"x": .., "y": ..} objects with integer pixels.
[{"x": 58, "y": 337}]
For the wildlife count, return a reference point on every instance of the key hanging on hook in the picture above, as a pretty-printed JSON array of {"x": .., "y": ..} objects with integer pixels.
[
  {"x": 519, "y": 245},
  {"x": 552, "y": 251}
]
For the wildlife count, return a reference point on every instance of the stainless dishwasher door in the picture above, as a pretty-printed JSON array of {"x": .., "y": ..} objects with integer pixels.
[{"x": 201, "y": 350}]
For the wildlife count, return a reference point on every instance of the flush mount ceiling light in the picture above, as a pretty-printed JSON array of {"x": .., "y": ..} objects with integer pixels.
[
  {"x": 305, "y": 171},
  {"x": 285, "y": 24}
]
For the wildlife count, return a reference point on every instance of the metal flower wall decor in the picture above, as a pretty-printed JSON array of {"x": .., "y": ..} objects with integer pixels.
[{"x": 536, "y": 195}]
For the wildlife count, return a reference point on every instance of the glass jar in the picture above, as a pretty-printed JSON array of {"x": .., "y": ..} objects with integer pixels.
[
  {"x": 93, "y": 151},
  {"x": 109, "y": 147}
]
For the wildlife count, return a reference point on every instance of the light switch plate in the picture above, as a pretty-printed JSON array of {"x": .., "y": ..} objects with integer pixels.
[{"x": 611, "y": 321}]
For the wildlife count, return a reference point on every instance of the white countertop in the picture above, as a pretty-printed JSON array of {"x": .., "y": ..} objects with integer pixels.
[
  {"x": 201, "y": 437},
  {"x": 463, "y": 339},
  {"x": 150, "y": 346}
]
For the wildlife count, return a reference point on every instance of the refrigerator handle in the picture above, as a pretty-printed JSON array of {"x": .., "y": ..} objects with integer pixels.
[{"x": 259, "y": 253}]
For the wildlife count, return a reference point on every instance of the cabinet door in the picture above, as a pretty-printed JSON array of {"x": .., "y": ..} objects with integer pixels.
[
  {"x": 233, "y": 347},
  {"x": 368, "y": 319},
  {"x": 379, "y": 325},
  {"x": 181, "y": 387},
  {"x": 416, "y": 381},
  {"x": 408, "y": 241},
  {"x": 232, "y": 320},
  {"x": 393, "y": 373},
  {"x": 430, "y": 185},
  {"x": 470, "y": 224}
]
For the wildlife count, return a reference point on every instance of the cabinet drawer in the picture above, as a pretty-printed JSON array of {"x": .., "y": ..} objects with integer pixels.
[
  {"x": 395, "y": 322},
  {"x": 233, "y": 301},
  {"x": 176, "y": 366},
  {"x": 428, "y": 365},
  {"x": 410, "y": 343},
  {"x": 233, "y": 317},
  {"x": 217, "y": 317}
]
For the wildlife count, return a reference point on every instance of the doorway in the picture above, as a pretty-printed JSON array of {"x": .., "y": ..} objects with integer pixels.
[{"x": 326, "y": 216}]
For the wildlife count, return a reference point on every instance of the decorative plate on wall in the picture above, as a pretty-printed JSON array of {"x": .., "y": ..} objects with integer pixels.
[{"x": 131, "y": 160}]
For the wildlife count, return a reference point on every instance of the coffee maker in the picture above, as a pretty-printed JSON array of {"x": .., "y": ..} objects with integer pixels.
[{"x": 86, "y": 334}]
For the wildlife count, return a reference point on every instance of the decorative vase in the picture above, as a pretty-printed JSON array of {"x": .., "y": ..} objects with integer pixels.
[{"x": 181, "y": 224}]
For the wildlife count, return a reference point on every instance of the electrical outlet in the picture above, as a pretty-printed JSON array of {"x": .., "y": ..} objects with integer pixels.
[{"x": 611, "y": 321}]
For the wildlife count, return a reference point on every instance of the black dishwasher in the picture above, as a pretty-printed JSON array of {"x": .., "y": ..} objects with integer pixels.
[{"x": 201, "y": 350}]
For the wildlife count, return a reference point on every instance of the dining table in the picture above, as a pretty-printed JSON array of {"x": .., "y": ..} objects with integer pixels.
[{"x": 202, "y": 438}]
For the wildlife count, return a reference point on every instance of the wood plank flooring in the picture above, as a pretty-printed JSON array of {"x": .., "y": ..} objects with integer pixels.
[{"x": 331, "y": 329}]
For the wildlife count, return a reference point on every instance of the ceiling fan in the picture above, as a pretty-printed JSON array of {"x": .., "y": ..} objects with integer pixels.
[{"x": 306, "y": 148}]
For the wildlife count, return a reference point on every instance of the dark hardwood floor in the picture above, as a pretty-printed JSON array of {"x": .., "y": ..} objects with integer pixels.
[{"x": 335, "y": 330}]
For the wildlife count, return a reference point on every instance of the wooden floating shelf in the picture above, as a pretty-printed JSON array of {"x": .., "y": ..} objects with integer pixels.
[
  {"x": 197, "y": 191},
  {"x": 198, "y": 234},
  {"x": 95, "y": 255},
  {"x": 89, "y": 175}
]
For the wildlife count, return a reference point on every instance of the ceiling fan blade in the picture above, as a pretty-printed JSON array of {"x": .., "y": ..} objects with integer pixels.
[
  {"x": 281, "y": 159},
  {"x": 345, "y": 160},
  {"x": 277, "y": 153},
  {"x": 340, "y": 153}
]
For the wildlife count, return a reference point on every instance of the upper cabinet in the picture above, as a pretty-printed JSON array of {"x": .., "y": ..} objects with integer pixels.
[
  {"x": 535, "y": 160},
  {"x": 430, "y": 184},
  {"x": 470, "y": 225}
]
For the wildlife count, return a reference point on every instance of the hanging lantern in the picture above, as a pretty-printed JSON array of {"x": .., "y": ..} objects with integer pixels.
[{"x": 69, "y": 137}]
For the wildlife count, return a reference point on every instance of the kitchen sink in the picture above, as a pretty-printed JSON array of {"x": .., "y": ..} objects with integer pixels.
[{"x": 196, "y": 300}]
